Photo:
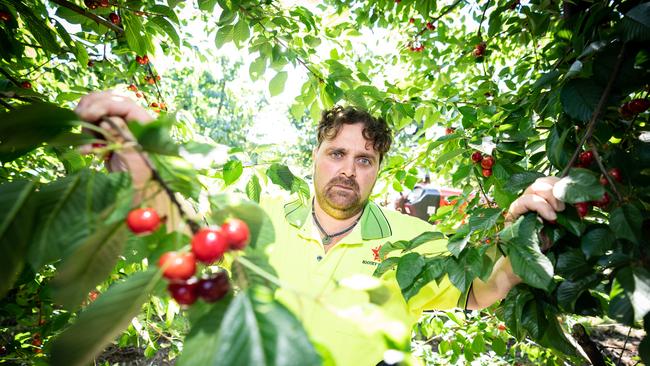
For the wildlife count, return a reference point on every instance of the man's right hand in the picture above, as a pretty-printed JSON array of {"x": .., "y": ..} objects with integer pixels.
[{"x": 96, "y": 106}]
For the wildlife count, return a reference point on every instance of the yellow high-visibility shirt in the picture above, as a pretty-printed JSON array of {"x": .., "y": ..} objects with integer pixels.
[{"x": 311, "y": 279}]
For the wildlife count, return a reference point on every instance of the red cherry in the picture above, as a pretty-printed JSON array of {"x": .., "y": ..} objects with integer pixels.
[
  {"x": 138, "y": 95},
  {"x": 237, "y": 233},
  {"x": 477, "y": 156},
  {"x": 583, "y": 208},
  {"x": 449, "y": 130},
  {"x": 430, "y": 26},
  {"x": 487, "y": 172},
  {"x": 154, "y": 105},
  {"x": 145, "y": 59},
  {"x": 625, "y": 111},
  {"x": 4, "y": 16},
  {"x": 603, "y": 180},
  {"x": 104, "y": 3},
  {"x": 185, "y": 293},
  {"x": 91, "y": 63},
  {"x": 209, "y": 245},
  {"x": 603, "y": 201},
  {"x": 616, "y": 174},
  {"x": 412, "y": 20},
  {"x": 214, "y": 288},
  {"x": 26, "y": 85},
  {"x": 487, "y": 162},
  {"x": 132, "y": 87},
  {"x": 143, "y": 220},
  {"x": 92, "y": 295},
  {"x": 637, "y": 106},
  {"x": 501, "y": 327},
  {"x": 177, "y": 266},
  {"x": 158, "y": 77},
  {"x": 586, "y": 158},
  {"x": 115, "y": 19}
]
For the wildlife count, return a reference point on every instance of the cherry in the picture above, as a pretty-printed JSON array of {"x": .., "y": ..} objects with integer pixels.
[
  {"x": 115, "y": 19},
  {"x": 4, "y": 16},
  {"x": 158, "y": 77},
  {"x": 616, "y": 174},
  {"x": 132, "y": 87},
  {"x": 214, "y": 288},
  {"x": 92, "y": 295},
  {"x": 449, "y": 130},
  {"x": 603, "y": 180},
  {"x": 477, "y": 156},
  {"x": 487, "y": 162},
  {"x": 185, "y": 293},
  {"x": 26, "y": 85},
  {"x": 104, "y": 3},
  {"x": 479, "y": 49},
  {"x": 583, "y": 208},
  {"x": 586, "y": 158},
  {"x": 625, "y": 111},
  {"x": 430, "y": 26},
  {"x": 143, "y": 220},
  {"x": 91, "y": 63},
  {"x": 637, "y": 106},
  {"x": 487, "y": 172},
  {"x": 209, "y": 245},
  {"x": 154, "y": 105},
  {"x": 138, "y": 95},
  {"x": 150, "y": 80},
  {"x": 237, "y": 233},
  {"x": 501, "y": 327},
  {"x": 603, "y": 201},
  {"x": 177, "y": 265},
  {"x": 412, "y": 20},
  {"x": 36, "y": 340},
  {"x": 142, "y": 60},
  {"x": 91, "y": 4}
]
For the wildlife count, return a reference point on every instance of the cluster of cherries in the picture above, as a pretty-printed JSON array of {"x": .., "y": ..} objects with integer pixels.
[
  {"x": 634, "y": 107},
  {"x": 479, "y": 49},
  {"x": 208, "y": 246},
  {"x": 585, "y": 160},
  {"x": 142, "y": 60},
  {"x": 417, "y": 46},
  {"x": 486, "y": 161},
  {"x": 94, "y": 4}
]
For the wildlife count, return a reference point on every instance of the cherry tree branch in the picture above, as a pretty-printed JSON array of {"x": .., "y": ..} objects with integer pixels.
[
  {"x": 604, "y": 171},
  {"x": 79, "y": 10}
]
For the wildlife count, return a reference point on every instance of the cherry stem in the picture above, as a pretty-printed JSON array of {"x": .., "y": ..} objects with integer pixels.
[
  {"x": 478, "y": 179},
  {"x": 604, "y": 171},
  {"x": 156, "y": 176},
  {"x": 594, "y": 117},
  {"x": 480, "y": 24}
]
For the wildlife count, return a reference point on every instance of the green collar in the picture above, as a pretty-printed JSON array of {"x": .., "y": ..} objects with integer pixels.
[{"x": 374, "y": 224}]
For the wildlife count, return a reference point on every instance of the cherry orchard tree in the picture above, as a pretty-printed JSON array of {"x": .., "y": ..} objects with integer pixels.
[{"x": 522, "y": 90}]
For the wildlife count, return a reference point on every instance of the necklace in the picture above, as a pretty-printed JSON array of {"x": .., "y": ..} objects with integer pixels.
[{"x": 327, "y": 239}]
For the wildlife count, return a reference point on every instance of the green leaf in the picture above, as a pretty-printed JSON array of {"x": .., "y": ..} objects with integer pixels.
[
  {"x": 581, "y": 185},
  {"x": 178, "y": 173},
  {"x": 38, "y": 28},
  {"x": 434, "y": 270},
  {"x": 103, "y": 320},
  {"x": 135, "y": 33},
  {"x": 554, "y": 336},
  {"x": 281, "y": 175},
  {"x": 16, "y": 229},
  {"x": 257, "y": 68},
  {"x": 484, "y": 218},
  {"x": 207, "y": 5},
  {"x": 533, "y": 319},
  {"x": 499, "y": 346},
  {"x": 408, "y": 268},
  {"x": 407, "y": 245},
  {"x": 519, "y": 181},
  {"x": 625, "y": 222},
  {"x": 241, "y": 32},
  {"x": 572, "y": 264},
  {"x": 206, "y": 319},
  {"x": 522, "y": 246},
  {"x": 69, "y": 211},
  {"x": 26, "y": 128},
  {"x": 80, "y": 53},
  {"x": 224, "y": 35},
  {"x": 579, "y": 98},
  {"x": 385, "y": 266},
  {"x": 90, "y": 263},
  {"x": 636, "y": 23},
  {"x": 465, "y": 269},
  {"x": 168, "y": 28},
  {"x": 232, "y": 170},
  {"x": 568, "y": 292},
  {"x": 253, "y": 189},
  {"x": 513, "y": 308},
  {"x": 595, "y": 242},
  {"x": 257, "y": 330},
  {"x": 276, "y": 85},
  {"x": 636, "y": 284},
  {"x": 155, "y": 136},
  {"x": 259, "y": 223}
]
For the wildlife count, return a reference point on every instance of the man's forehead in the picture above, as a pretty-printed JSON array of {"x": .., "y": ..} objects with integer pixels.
[{"x": 350, "y": 138}]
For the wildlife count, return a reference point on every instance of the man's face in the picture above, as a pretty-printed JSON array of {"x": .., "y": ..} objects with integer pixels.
[{"x": 345, "y": 171}]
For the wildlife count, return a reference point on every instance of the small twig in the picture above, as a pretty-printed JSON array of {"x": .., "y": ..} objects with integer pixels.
[
  {"x": 620, "y": 356},
  {"x": 79, "y": 10},
  {"x": 480, "y": 24},
  {"x": 7, "y": 105},
  {"x": 156, "y": 176},
  {"x": 478, "y": 179},
  {"x": 596, "y": 114},
  {"x": 444, "y": 12},
  {"x": 604, "y": 171}
]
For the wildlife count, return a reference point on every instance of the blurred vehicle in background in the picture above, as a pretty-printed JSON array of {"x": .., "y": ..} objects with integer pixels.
[{"x": 424, "y": 200}]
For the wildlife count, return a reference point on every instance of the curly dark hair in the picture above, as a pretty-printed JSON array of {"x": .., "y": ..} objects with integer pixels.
[{"x": 375, "y": 129}]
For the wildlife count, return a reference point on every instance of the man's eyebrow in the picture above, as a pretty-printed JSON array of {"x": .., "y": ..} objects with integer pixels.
[
  {"x": 337, "y": 149},
  {"x": 372, "y": 157}
]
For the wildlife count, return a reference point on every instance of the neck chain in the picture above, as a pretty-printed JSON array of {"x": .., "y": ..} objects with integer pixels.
[{"x": 328, "y": 237}]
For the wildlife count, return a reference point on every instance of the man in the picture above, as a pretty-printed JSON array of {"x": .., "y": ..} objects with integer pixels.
[{"x": 338, "y": 235}]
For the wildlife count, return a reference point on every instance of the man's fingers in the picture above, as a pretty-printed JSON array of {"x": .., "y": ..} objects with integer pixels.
[
  {"x": 94, "y": 106},
  {"x": 544, "y": 187},
  {"x": 531, "y": 202}
]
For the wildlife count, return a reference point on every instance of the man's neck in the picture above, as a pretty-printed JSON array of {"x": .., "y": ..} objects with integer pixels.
[{"x": 331, "y": 224}]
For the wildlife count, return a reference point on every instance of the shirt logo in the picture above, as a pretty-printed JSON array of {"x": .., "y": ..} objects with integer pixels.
[{"x": 375, "y": 253}]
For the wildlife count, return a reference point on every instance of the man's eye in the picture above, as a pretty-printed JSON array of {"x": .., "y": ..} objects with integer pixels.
[
  {"x": 336, "y": 154},
  {"x": 364, "y": 161}
]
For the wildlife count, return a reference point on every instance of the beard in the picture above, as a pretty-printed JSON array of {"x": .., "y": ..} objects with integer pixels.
[{"x": 340, "y": 198}]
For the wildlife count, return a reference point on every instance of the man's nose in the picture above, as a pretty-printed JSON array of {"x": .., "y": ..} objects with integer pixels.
[{"x": 349, "y": 168}]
